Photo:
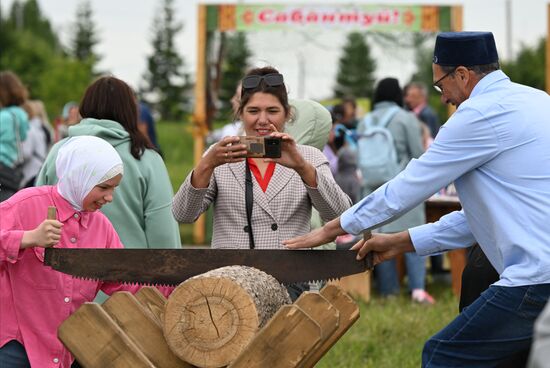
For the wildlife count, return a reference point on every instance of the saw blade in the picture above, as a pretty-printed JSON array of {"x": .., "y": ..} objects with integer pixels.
[{"x": 172, "y": 266}]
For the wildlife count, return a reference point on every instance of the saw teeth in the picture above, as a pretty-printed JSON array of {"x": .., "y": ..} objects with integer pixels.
[{"x": 86, "y": 278}]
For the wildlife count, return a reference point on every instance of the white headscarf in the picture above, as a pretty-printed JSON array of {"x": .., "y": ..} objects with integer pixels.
[{"x": 82, "y": 163}]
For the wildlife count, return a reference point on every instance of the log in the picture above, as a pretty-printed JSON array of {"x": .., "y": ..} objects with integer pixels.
[{"x": 210, "y": 318}]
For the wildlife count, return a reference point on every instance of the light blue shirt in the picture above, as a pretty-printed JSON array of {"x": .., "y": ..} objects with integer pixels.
[{"x": 496, "y": 148}]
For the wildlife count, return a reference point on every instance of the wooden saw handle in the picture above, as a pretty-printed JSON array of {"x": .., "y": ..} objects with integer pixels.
[
  {"x": 369, "y": 257},
  {"x": 52, "y": 213},
  {"x": 367, "y": 235}
]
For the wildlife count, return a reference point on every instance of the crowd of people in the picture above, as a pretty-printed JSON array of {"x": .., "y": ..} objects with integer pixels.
[{"x": 338, "y": 173}]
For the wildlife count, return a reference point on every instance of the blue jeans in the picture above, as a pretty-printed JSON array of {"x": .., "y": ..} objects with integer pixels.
[
  {"x": 494, "y": 327},
  {"x": 13, "y": 355},
  {"x": 294, "y": 290},
  {"x": 386, "y": 274}
]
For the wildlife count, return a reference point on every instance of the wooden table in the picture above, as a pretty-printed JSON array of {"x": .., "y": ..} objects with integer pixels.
[{"x": 435, "y": 208}]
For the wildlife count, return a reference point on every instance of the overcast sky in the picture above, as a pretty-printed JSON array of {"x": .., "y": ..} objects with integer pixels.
[{"x": 124, "y": 30}]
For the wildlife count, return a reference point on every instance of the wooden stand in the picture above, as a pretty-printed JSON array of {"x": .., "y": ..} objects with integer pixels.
[
  {"x": 127, "y": 339},
  {"x": 125, "y": 332},
  {"x": 358, "y": 285},
  {"x": 435, "y": 209}
]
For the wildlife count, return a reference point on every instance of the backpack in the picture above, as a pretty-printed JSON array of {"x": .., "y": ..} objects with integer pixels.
[
  {"x": 376, "y": 153},
  {"x": 346, "y": 135}
]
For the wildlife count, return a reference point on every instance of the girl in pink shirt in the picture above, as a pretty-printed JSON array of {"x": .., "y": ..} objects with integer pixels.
[{"x": 34, "y": 299}]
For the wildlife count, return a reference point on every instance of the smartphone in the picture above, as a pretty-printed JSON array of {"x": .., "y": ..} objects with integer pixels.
[{"x": 261, "y": 147}]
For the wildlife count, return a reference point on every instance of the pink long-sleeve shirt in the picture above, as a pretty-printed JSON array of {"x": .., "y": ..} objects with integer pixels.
[{"x": 35, "y": 299}]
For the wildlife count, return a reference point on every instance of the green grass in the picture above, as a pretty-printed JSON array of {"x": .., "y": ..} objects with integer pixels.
[
  {"x": 390, "y": 332},
  {"x": 176, "y": 141}
]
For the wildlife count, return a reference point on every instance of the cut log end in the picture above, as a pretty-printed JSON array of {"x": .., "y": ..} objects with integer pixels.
[{"x": 210, "y": 318}]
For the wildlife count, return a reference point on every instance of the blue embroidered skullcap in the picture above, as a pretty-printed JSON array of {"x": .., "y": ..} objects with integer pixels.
[{"x": 465, "y": 48}]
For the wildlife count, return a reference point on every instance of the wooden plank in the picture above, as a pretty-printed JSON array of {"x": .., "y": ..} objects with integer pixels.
[
  {"x": 435, "y": 209},
  {"x": 357, "y": 285},
  {"x": 142, "y": 329},
  {"x": 284, "y": 341},
  {"x": 457, "y": 260},
  {"x": 348, "y": 313},
  {"x": 153, "y": 301},
  {"x": 96, "y": 341},
  {"x": 52, "y": 213},
  {"x": 200, "y": 128},
  {"x": 325, "y": 314}
]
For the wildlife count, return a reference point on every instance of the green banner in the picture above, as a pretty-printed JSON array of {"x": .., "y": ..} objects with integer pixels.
[{"x": 352, "y": 17}]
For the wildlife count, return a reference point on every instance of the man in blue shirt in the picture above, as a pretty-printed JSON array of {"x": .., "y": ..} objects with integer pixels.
[{"x": 495, "y": 149}]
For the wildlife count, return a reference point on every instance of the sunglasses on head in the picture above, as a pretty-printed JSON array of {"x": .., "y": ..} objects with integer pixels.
[{"x": 272, "y": 80}]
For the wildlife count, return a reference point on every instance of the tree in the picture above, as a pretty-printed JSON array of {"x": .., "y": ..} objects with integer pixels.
[
  {"x": 234, "y": 67},
  {"x": 165, "y": 83},
  {"x": 29, "y": 47},
  {"x": 355, "y": 68},
  {"x": 84, "y": 35},
  {"x": 28, "y": 16},
  {"x": 65, "y": 80},
  {"x": 422, "y": 44},
  {"x": 529, "y": 66}
]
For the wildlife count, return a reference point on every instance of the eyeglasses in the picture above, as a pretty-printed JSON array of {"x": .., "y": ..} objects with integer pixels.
[
  {"x": 272, "y": 80},
  {"x": 437, "y": 82}
]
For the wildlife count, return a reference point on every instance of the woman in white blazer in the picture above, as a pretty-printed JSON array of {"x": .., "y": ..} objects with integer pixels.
[{"x": 283, "y": 189}]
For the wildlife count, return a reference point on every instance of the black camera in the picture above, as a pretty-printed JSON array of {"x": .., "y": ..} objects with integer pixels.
[{"x": 262, "y": 147}]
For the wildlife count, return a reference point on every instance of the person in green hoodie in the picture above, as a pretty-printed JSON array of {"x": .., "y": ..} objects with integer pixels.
[
  {"x": 141, "y": 215},
  {"x": 14, "y": 126}
]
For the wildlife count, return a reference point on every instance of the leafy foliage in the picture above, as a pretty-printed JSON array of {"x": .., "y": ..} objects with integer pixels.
[
  {"x": 355, "y": 68},
  {"x": 84, "y": 35},
  {"x": 66, "y": 80},
  {"x": 30, "y": 48},
  {"x": 165, "y": 81},
  {"x": 28, "y": 16},
  {"x": 529, "y": 66},
  {"x": 422, "y": 45},
  {"x": 234, "y": 67}
]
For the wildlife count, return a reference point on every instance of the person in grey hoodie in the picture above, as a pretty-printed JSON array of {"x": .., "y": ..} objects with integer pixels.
[{"x": 142, "y": 214}]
